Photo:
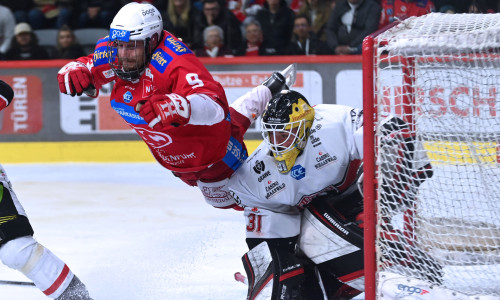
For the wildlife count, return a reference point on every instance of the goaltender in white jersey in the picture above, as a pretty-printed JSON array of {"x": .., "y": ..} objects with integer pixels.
[
  {"x": 329, "y": 162},
  {"x": 308, "y": 154}
]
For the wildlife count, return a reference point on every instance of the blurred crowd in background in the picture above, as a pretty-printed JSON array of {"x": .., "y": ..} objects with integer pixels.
[{"x": 213, "y": 28}]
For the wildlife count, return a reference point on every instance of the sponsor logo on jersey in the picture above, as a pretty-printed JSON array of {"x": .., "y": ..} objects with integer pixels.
[
  {"x": 174, "y": 160},
  {"x": 298, "y": 172},
  {"x": 259, "y": 166},
  {"x": 305, "y": 200},
  {"x": 101, "y": 56},
  {"x": 324, "y": 159},
  {"x": 176, "y": 46},
  {"x": 119, "y": 34},
  {"x": 108, "y": 73},
  {"x": 160, "y": 60},
  {"x": 216, "y": 194},
  {"x": 127, "y": 112},
  {"x": 273, "y": 188},
  {"x": 235, "y": 154},
  {"x": 127, "y": 97},
  {"x": 410, "y": 290},
  {"x": 236, "y": 198},
  {"x": 315, "y": 141},
  {"x": 147, "y": 88},
  {"x": 153, "y": 138}
]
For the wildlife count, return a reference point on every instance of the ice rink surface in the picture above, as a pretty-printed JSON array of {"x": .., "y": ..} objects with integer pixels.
[{"x": 129, "y": 231}]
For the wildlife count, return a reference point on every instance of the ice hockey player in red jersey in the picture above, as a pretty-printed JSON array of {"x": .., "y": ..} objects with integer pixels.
[
  {"x": 20, "y": 251},
  {"x": 170, "y": 99}
]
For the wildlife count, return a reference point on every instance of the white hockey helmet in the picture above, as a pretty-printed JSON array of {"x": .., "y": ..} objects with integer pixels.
[{"x": 137, "y": 22}]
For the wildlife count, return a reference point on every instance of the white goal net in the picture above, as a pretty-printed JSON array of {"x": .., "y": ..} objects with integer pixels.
[{"x": 439, "y": 73}]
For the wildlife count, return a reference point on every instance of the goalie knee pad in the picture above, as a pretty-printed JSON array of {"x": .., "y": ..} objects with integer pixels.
[
  {"x": 273, "y": 274},
  {"x": 334, "y": 244},
  {"x": 50, "y": 274}
]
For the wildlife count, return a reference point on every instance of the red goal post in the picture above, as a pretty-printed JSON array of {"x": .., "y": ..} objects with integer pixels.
[{"x": 439, "y": 73}]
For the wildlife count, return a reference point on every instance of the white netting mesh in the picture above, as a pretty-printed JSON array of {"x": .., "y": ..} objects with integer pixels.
[{"x": 441, "y": 74}]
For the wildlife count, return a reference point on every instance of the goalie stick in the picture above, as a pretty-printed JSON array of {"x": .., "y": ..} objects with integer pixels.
[{"x": 13, "y": 282}]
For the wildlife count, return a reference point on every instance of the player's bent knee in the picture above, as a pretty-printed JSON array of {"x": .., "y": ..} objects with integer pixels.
[{"x": 17, "y": 253}]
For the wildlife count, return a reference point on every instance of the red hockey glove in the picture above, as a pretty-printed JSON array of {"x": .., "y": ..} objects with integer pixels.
[
  {"x": 164, "y": 111},
  {"x": 74, "y": 79}
]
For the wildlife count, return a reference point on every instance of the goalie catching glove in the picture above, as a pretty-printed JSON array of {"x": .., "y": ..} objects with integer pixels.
[
  {"x": 75, "y": 79},
  {"x": 164, "y": 111}
]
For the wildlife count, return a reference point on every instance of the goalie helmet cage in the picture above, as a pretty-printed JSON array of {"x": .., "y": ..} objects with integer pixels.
[{"x": 441, "y": 74}]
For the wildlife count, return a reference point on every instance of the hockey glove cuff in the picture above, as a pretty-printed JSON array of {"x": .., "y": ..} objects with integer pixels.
[
  {"x": 74, "y": 79},
  {"x": 6, "y": 95},
  {"x": 165, "y": 111}
]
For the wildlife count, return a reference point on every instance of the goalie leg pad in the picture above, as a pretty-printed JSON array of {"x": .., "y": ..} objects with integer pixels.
[
  {"x": 273, "y": 274},
  {"x": 325, "y": 237},
  {"x": 47, "y": 271}
]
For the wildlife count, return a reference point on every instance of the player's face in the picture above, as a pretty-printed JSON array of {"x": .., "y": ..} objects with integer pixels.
[
  {"x": 283, "y": 139},
  {"x": 131, "y": 54}
]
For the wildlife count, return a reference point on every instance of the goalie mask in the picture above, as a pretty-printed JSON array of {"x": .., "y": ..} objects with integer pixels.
[
  {"x": 133, "y": 36},
  {"x": 285, "y": 126}
]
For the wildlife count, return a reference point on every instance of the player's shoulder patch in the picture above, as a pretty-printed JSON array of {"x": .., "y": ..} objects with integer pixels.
[
  {"x": 100, "y": 56},
  {"x": 160, "y": 60},
  {"x": 176, "y": 46}
]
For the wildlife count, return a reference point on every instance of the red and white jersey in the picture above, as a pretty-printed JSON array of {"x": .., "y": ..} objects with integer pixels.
[
  {"x": 402, "y": 9},
  {"x": 173, "y": 69},
  {"x": 329, "y": 162}
]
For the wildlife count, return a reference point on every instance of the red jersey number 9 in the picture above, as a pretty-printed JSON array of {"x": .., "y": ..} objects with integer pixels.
[{"x": 192, "y": 79}]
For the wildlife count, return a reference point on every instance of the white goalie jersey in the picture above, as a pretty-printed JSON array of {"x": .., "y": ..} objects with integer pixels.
[{"x": 329, "y": 162}]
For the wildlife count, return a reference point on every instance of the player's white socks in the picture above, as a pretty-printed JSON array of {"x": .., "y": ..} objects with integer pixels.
[{"x": 50, "y": 274}]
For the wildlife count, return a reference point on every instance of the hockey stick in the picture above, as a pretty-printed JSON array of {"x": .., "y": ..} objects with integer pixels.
[{"x": 11, "y": 282}]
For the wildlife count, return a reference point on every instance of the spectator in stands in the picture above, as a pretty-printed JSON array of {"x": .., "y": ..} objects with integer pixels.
[
  {"x": 350, "y": 22},
  {"x": 50, "y": 13},
  {"x": 19, "y": 8},
  {"x": 304, "y": 42},
  {"x": 214, "y": 13},
  {"x": 7, "y": 24},
  {"x": 402, "y": 9},
  {"x": 67, "y": 46},
  {"x": 276, "y": 19},
  {"x": 481, "y": 7},
  {"x": 318, "y": 11},
  {"x": 181, "y": 19},
  {"x": 24, "y": 45},
  {"x": 448, "y": 9},
  {"x": 213, "y": 37},
  {"x": 96, "y": 13},
  {"x": 254, "y": 38}
]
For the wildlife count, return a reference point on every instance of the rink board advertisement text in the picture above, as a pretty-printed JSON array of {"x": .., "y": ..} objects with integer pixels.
[
  {"x": 86, "y": 115},
  {"x": 24, "y": 115},
  {"x": 43, "y": 124}
]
